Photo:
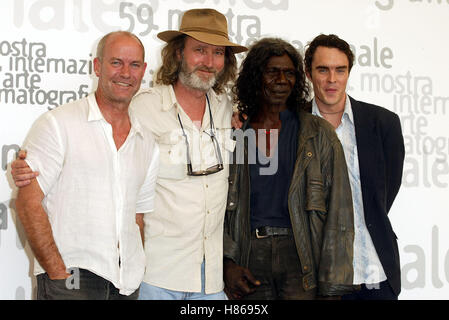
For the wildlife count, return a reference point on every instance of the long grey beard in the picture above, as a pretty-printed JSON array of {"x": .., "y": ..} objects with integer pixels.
[{"x": 191, "y": 80}]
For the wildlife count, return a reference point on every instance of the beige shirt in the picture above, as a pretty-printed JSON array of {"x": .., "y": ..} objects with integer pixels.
[
  {"x": 187, "y": 223},
  {"x": 93, "y": 191}
]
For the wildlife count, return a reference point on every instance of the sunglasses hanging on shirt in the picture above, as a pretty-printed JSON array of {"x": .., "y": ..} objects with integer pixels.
[{"x": 214, "y": 169}]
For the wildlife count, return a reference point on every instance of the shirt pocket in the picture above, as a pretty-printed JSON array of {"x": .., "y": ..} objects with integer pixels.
[
  {"x": 173, "y": 156},
  {"x": 315, "y": 198},
  {"x": 227, "y": 147}
]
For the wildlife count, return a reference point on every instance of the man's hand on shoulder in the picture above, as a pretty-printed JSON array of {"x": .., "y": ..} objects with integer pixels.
[
  {"x": 21, "y": 172},
  {"x": 236, "y": 121}
]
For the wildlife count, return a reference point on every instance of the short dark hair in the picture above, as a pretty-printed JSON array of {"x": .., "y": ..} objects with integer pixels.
[
  {"x": 328, "y": 41},
  {"x": 248, "y": 87}
]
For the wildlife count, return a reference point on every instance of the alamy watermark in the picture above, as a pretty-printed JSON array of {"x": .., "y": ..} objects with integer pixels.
[{"x": 250, "y": 146}]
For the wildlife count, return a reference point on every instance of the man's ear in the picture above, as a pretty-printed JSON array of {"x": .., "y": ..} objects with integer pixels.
[
  {"x": 309, "y": 76},
  {"x": 179, "y": 54},
  {"x": 97, "y": 66}
]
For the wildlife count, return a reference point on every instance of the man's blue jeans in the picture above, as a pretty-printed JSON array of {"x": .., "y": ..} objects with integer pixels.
[{"x": 149, "y": 292}]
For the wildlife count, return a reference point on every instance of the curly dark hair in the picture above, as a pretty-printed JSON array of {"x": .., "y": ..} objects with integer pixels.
[
  {"x": 328, "y": 41},
  {"x": 248, "y": 91}
]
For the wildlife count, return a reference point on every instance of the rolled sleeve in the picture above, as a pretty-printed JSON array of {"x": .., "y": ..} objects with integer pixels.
[
  {"x": 145, "y": 201},
  {"x": 45, "y": 151}
]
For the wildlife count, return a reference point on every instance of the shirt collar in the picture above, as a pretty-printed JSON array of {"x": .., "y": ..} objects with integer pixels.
[
  {"x": 169, "y": 98},
  {"x": 94, "y": 114},
  {"x": 136, "y": 127},
  {"x": 347, "y": 114}
]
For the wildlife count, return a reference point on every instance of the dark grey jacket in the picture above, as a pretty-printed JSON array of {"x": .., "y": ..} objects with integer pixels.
[{"x": 320, "y": 207}]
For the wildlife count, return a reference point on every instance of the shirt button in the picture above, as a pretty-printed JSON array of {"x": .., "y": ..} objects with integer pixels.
[
  {"x": 207, "y": 186},
  {"x": 208, "y": 211},
  {"x": 306, "y": 268}
]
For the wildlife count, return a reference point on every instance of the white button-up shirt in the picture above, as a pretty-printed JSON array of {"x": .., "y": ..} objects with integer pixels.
[
  {"x": 93, "y": 191},
  {"x": 187, "y": 223},
  {"x": 366, "y": 263}
]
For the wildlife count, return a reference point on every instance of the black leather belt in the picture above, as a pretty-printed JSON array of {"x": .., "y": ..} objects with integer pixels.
[{"x": 264, "y": 232}]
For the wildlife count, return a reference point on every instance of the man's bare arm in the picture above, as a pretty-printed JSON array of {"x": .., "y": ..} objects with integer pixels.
[
  {"x": 38, "y": 230},
  {"x": 140, "y": 223}
]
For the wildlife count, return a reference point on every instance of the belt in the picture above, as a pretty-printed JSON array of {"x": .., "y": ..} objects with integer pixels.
[{"x": 264, "y": 232}]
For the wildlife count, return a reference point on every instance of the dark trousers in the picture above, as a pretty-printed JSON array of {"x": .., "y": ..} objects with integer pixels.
[
  {"x": 275, "y": 263},
  {"x": 378, "y": 291},
  {"x": 84, "y": 285}
]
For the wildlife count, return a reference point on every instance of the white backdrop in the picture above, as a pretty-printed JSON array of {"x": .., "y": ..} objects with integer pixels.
[{"x": 401, "y": 49}]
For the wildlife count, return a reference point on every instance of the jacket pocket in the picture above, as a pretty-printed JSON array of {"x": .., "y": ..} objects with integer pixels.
[
  {"x": 227, "y": 147},
  {"x": 315, "y": 198}
]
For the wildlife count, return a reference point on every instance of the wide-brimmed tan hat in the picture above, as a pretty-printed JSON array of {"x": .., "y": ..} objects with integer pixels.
[{"x": 205, "y": 25}]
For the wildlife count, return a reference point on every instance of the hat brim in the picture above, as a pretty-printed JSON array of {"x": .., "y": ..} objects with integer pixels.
[{"x": 208, "y": 38}]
